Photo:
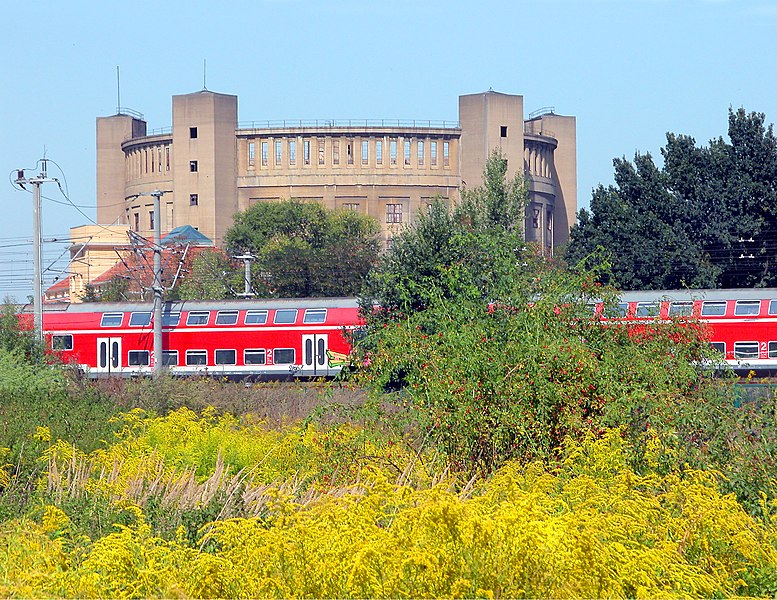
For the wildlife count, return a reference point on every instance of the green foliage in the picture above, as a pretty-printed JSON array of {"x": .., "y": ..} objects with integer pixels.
[
  {"x": 305, "y": 250},
  {"x": 116, "y": 289},
  {"x": 704, "y": 219},
  {"x": 18, "y": 337},
  {"x": 470, "y": 250},
  {"x": 213, "y": 276}
]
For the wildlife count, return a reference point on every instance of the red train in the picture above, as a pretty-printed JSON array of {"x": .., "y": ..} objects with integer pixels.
[
  {"x": 229, "y": 338},
  {"x": 307, "y": 337},
  {"x": 742, "y": 323}
]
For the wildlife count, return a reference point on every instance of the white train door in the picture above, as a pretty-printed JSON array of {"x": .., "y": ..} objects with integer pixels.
[
  {"x": 109, "y": 355},
  {"x": 314, "y": 359}
]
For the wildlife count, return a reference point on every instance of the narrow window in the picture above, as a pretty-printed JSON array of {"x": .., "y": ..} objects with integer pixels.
[
  {"x": 196, "y": 357},
  {"x": 433, "y": 151},
  {"x": 446, "y": 154},
  {"x": 393, "y": 151},
  {"x": 193, "y": 133},
  {"x": 111, "y": 319},
  {"x": 393, "y": 213},
  {"x": 198, "y": 317},
  {"x": 321, "y": 147},
  {"x": 167, "y": 158},
  {"x": 773, "y": 307},
  {"x": 747, "y": 307},
  {"x": 285, "y": 316},
  {"x": 745, "y": 349},
  {"x": 138, "y": 358},
  {"x": 647, "y": 309},
  {"x": 314, "y": 315},
  {"x": 278, "y": 152},
  {"x": 151, "y": 219},
  {"x": 420, "y": 152},
  {"x": 681, "y": 309},
  {"x": 335, "y": 152},
  {"x": 407, "y": 152},
  {"x": 226, "y": 317},
  {"x": 254, "y": 357},
  {"x": 379, "y": 152},
  {"x": 352, "y": 206},
  {"x": 194, "y": 200},
  {"x": 62, "y": 342},
  {"x": 193, "y": 166},
  {"x": 251, "y": 154},
  {"x": 226, "y": 357},
  {"x": 713, "y": 309},
  {"x": 284, "y": 356},
  {"x": 292, "y": 152},
  {"x": 349, "y": 151},
  {"x": 140, "y": 319},
  {"x": 170, "y": 358},
  {"x": 306, "y": 151},
  {"x": 264, "y": 154},
  {"x": 137, "y": 221},
  {"x": 256, "y": 317},
  {"x": 171, "y": 319},
  {"x": 503, "y": 131},
  {"x": 159, "y": 162}
]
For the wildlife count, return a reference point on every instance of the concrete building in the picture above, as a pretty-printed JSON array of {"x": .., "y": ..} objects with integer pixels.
[{"x": 212, "y": 166}]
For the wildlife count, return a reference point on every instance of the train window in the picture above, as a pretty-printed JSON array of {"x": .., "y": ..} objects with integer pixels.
[
  {"x": 226, "y": 357},
  {"x": 285, "y": 316},
  {"x": 226, "y": 317},
  {"x": 198, "y": 317},
  {"x": 772, "y": 349},
  {"x": 170, "y": 358},
  {"x": 62, "y": 342},
  {"x": 112, "y": 319},
  {"x": 614, "y": 312},
  {"x": 138, "y": 358},
  {"x": 284, "y": 356},
  {"x": 719, "y": 347},
  {"x": 745, "y": 349},
  {"x": 747, "y": 307},
  {"x": 140, "y": 319},
  {"x": 171, "y": 319},
  {"x": 681, "y": 309},
  {"x": 647, "y": 309},
  {"x": 196, "y": 357},
  {"x": 773, "y": 307},
  {"x": 254, "y": 357},
  {"x": 256, "y": 317},
  {"x": 314, "y": 315},
  {"x": 713, "y": 309}
]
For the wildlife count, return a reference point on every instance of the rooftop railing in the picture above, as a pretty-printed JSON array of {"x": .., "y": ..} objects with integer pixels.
[{"x": 350, "y": 123}]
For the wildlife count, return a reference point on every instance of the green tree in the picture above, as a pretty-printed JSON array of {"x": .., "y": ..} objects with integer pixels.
[
  {"x": 303, "y": 250},
  {"x": 468, "y": 249},
  {"x": 704, "y": 219},
  {"x": 212, "y": 276}
]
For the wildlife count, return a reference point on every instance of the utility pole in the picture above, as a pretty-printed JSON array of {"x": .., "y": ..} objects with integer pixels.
[
  {"x": 157, "y": 285},
  {"x": 247, "y": 293},
  {"x": 37, "y": 286}
]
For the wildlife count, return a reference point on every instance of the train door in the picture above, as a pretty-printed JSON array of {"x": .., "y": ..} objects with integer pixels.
[
  {"x": 314, "y": 359},
  {"x": 109, "y": 355}
]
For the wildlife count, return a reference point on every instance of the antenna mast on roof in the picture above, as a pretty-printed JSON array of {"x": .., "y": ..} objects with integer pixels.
[
  {"x": 204, "y": 87},
  {"x": 118, "y": 91}
]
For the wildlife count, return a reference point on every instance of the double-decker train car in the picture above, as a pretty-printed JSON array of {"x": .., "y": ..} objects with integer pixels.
[
  {"x": 230, "y": 338},
  {"x": 742, "y": 323}
]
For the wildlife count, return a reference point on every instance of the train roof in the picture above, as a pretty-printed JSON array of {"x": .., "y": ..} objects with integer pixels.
[
  {"x": 708, "y": 294},
  {"x": 188, "y": 305}
]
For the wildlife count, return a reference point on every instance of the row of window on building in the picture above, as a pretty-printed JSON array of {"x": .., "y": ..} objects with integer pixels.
[
  {"x": 315, "y": 150},
  {"x": 145, "y": 161}
]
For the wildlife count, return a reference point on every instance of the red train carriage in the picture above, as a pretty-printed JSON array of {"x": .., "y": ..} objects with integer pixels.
[
  {"x": 742, "y": 323},
  {"x": 229, "y": 338}
]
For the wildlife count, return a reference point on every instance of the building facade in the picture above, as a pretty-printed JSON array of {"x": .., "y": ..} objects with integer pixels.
[{"x": 210, "y": 166}]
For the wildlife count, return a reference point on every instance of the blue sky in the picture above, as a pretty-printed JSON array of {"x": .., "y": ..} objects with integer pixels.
[{"x": 629, "y": 70}]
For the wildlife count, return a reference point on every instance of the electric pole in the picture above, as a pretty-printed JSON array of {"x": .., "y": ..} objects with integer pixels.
[
  {"x": 247, "y": 293},
  {"x": 37, "y": 287}
]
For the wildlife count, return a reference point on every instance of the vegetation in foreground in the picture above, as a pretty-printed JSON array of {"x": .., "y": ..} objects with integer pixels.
[{"x": 510, "y": 446}]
